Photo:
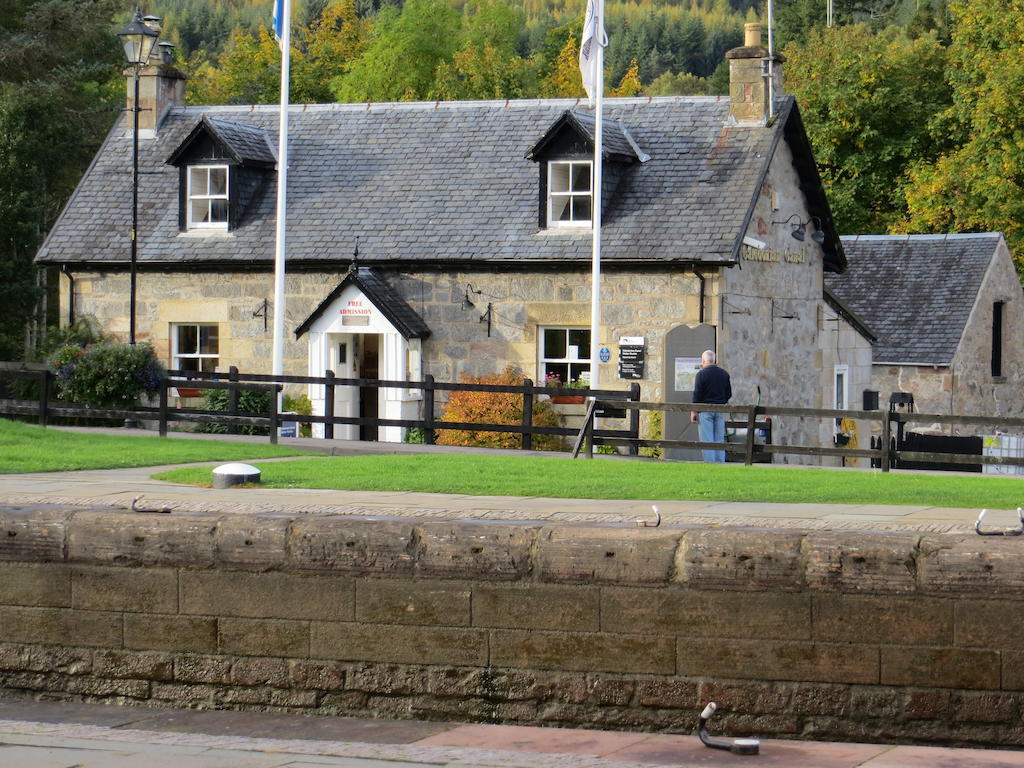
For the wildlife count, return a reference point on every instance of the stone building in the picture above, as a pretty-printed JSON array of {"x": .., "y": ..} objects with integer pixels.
[
  {"x": 453, "y": 238},
  {"x": 950, "y": 322}
]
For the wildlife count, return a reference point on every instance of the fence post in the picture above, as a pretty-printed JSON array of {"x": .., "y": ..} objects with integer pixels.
[
  {"x": 45, "y": 382},
  {"x": 748, "y": 452},
  {"x": 886, "y": 437},
  {"x": 634, "y": 419},
  {"x": 588, "y": 426},
  {"x": 527, "y": 415},
  {"x": 428, "y": 409},
  {"x": 163, "y": 407},
  {"x": 275, "y": 388},
  {"x": 233, "y": 398},
  {"x": 328, "y": 404}
]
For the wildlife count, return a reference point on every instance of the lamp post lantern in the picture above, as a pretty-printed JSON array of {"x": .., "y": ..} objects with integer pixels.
[{"x": 138, "y": 40}]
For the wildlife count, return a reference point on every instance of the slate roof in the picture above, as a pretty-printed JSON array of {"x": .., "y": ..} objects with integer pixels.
[
  {"x": 404, "y": 318},
  {"x": 243, "y": 143},
  {"x": 915, "y": 292},
  {"x": 440, "y": 183}
]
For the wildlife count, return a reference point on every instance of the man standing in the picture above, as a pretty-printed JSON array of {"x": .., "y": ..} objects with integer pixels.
[{"x": 712, "y": 385}]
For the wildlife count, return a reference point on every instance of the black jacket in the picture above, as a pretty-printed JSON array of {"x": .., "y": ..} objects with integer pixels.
[{"x": 712, "y": 386}]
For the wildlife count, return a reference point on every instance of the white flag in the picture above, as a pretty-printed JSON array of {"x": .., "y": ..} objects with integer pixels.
[{"x": 590, "y": 61}]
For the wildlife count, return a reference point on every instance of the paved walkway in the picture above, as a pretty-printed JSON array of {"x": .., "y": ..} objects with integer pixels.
[
  {"x": 64, "y": 735},
  {"x": 118, "y": 487}
]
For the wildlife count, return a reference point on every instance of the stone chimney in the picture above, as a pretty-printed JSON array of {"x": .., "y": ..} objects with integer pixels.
[
  {"x": 748, "y": 78},
  {"x": 161, "y": 85}
]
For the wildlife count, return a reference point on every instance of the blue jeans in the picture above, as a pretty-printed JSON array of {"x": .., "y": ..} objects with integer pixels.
[{"x": 711, "y": 429}]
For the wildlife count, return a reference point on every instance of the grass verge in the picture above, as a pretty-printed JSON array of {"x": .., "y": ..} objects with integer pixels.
[
  {"x": 28, "y": 448},
  {"x": 565, "y": 478}
]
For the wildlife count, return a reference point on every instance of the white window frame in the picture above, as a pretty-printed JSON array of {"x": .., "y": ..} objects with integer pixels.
[
  {"x": 177, "y": 355},
  {"x": 192, "y": 197},
  {"x": 841, "y": 399},
  {"x": 573, "y": 364},
  {"x": 569, "y": 193}
]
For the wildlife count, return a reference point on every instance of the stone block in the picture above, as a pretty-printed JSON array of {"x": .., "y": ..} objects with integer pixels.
[
  {"x": 820, "y": 699},
  {"x": 267, "y": 595},
  {"x": 798, "y": 661},
  {"x": 862, "y": 563},
  {"x": 750, "y": 697},
  {"x": 471, "y": 550},
  {"x": 389, "y": 679},
  {"x": 202, "y": 669},
  {"x": 992, "y": 624},
  {"x": 126, "y": 538},
  {"x": 398, "y": 644},
  {"x": 742, "y": 558},
  {"x": 134, "y": 590},
  {"x": 202, "y": 696},
  {"x": 1013, "y": 670},
  {"x": 131, "y": 664},
  {"x": 403, "y": 601},
  {"x": 940, "y": 667},
  {"x": 553, "y": 607},
  {"x": 344, "y": 544},
  {"x": 38, "y": 584},
  {"x": 181, "y": 634},
  {"x": 583, "y": 651},
  {"x": 594, "y": 555},
  {"x": 667, "y": 693},
  {"x": 891, "y": 620},
  {"x": 317, "y": 675},
  {"x": 93, "y": 686},
  {"x": 66, "y": 661},
  {"x": 698, "y": 613},
  {"x": 988, "y": 566},
  {"x": 33, "y": 534},
  {"x": 264, "y": 637},
  {"x": 929, "y": 704},
  {"x": 252, "y": 542},
  {"x": 59, "y": 626},
  {"x": 256, "y": 671},
  {"x": 972, "y": 707}
]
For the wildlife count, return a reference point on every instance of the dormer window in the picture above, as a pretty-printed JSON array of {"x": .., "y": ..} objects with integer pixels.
[
  {"x": 570, "y": 193},
  {"x": 221, "y": 168},
  {"x": 208, "y": 197}
]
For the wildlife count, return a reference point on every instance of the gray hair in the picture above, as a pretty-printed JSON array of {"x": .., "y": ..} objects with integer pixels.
[{"x": 708, "y": 356}]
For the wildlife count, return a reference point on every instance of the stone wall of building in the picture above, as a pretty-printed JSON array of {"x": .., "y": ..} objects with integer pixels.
[
  {"x": 646, "y": 304},
  {"x": 824, "y": 635},
  {"x": 769, "y": 337}
]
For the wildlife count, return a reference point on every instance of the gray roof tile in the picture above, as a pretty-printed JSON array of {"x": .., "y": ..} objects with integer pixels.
[
  {"x": 914, "y": 291},
  {"x": 426, "y": 183}
]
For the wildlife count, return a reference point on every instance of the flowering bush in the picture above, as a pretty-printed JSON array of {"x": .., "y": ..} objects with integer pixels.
[
  {"x": 497, "y": 408},
  {"x": 106, "y": 375}
]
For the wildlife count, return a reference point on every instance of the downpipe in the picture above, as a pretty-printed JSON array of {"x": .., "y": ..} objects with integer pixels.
[{"x": 736, "y": 746}]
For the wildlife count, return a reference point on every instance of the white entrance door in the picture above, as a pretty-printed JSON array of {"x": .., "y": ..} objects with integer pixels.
[{"x": 343, "y": 359}]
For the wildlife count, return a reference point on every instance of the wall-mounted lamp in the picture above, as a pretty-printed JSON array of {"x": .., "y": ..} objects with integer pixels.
[
  {"x": 799, "y": 231},
  {"x": 467, "y": 303}
]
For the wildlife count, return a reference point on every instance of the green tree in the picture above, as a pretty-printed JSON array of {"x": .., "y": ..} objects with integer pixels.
[
  {"x": 565, "y": 79},
  {"x": 400, "y": 62},
  {"x": 978, "y": 184},
  {"x": 629, "y": 85},
  {"x": 866, "y": 100},
  {"x": 59, "y": 94}
]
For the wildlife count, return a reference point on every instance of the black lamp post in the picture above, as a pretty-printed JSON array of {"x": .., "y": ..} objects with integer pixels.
[{"x": 138, "y": 40}]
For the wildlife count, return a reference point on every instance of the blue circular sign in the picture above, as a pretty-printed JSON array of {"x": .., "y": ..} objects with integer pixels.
[{"x": 605, "y": 354}]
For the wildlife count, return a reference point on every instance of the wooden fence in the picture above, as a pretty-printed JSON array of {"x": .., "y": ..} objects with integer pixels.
[
  {"x": 613, "y": 403},
  {"x": 47, "y": 406},
  {"x": 886, "y": 455}
]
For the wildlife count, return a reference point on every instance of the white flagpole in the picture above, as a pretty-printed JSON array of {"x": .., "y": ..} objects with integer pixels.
[
  {"x": 284, "y": 34},
  {"x": 597, "y": 46}
]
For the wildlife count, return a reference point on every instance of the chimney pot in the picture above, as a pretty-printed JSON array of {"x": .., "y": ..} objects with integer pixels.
[{"x": 752, "y": 35}]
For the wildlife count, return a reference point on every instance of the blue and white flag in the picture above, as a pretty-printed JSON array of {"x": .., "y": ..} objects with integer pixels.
[
  {"x": 278, "y": 19},
  {"x": 590, "y": 61}
]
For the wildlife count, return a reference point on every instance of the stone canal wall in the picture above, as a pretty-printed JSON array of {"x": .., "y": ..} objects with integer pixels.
[{"x": 872, "y": 637}]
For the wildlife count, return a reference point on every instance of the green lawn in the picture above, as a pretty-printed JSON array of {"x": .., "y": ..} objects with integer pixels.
[
  {"x": 28, "y": 448},
  {"x": 565, "y": 478}
]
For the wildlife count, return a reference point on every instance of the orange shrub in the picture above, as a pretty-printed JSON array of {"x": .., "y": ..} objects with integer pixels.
[{"x": 497, "y": 408}]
